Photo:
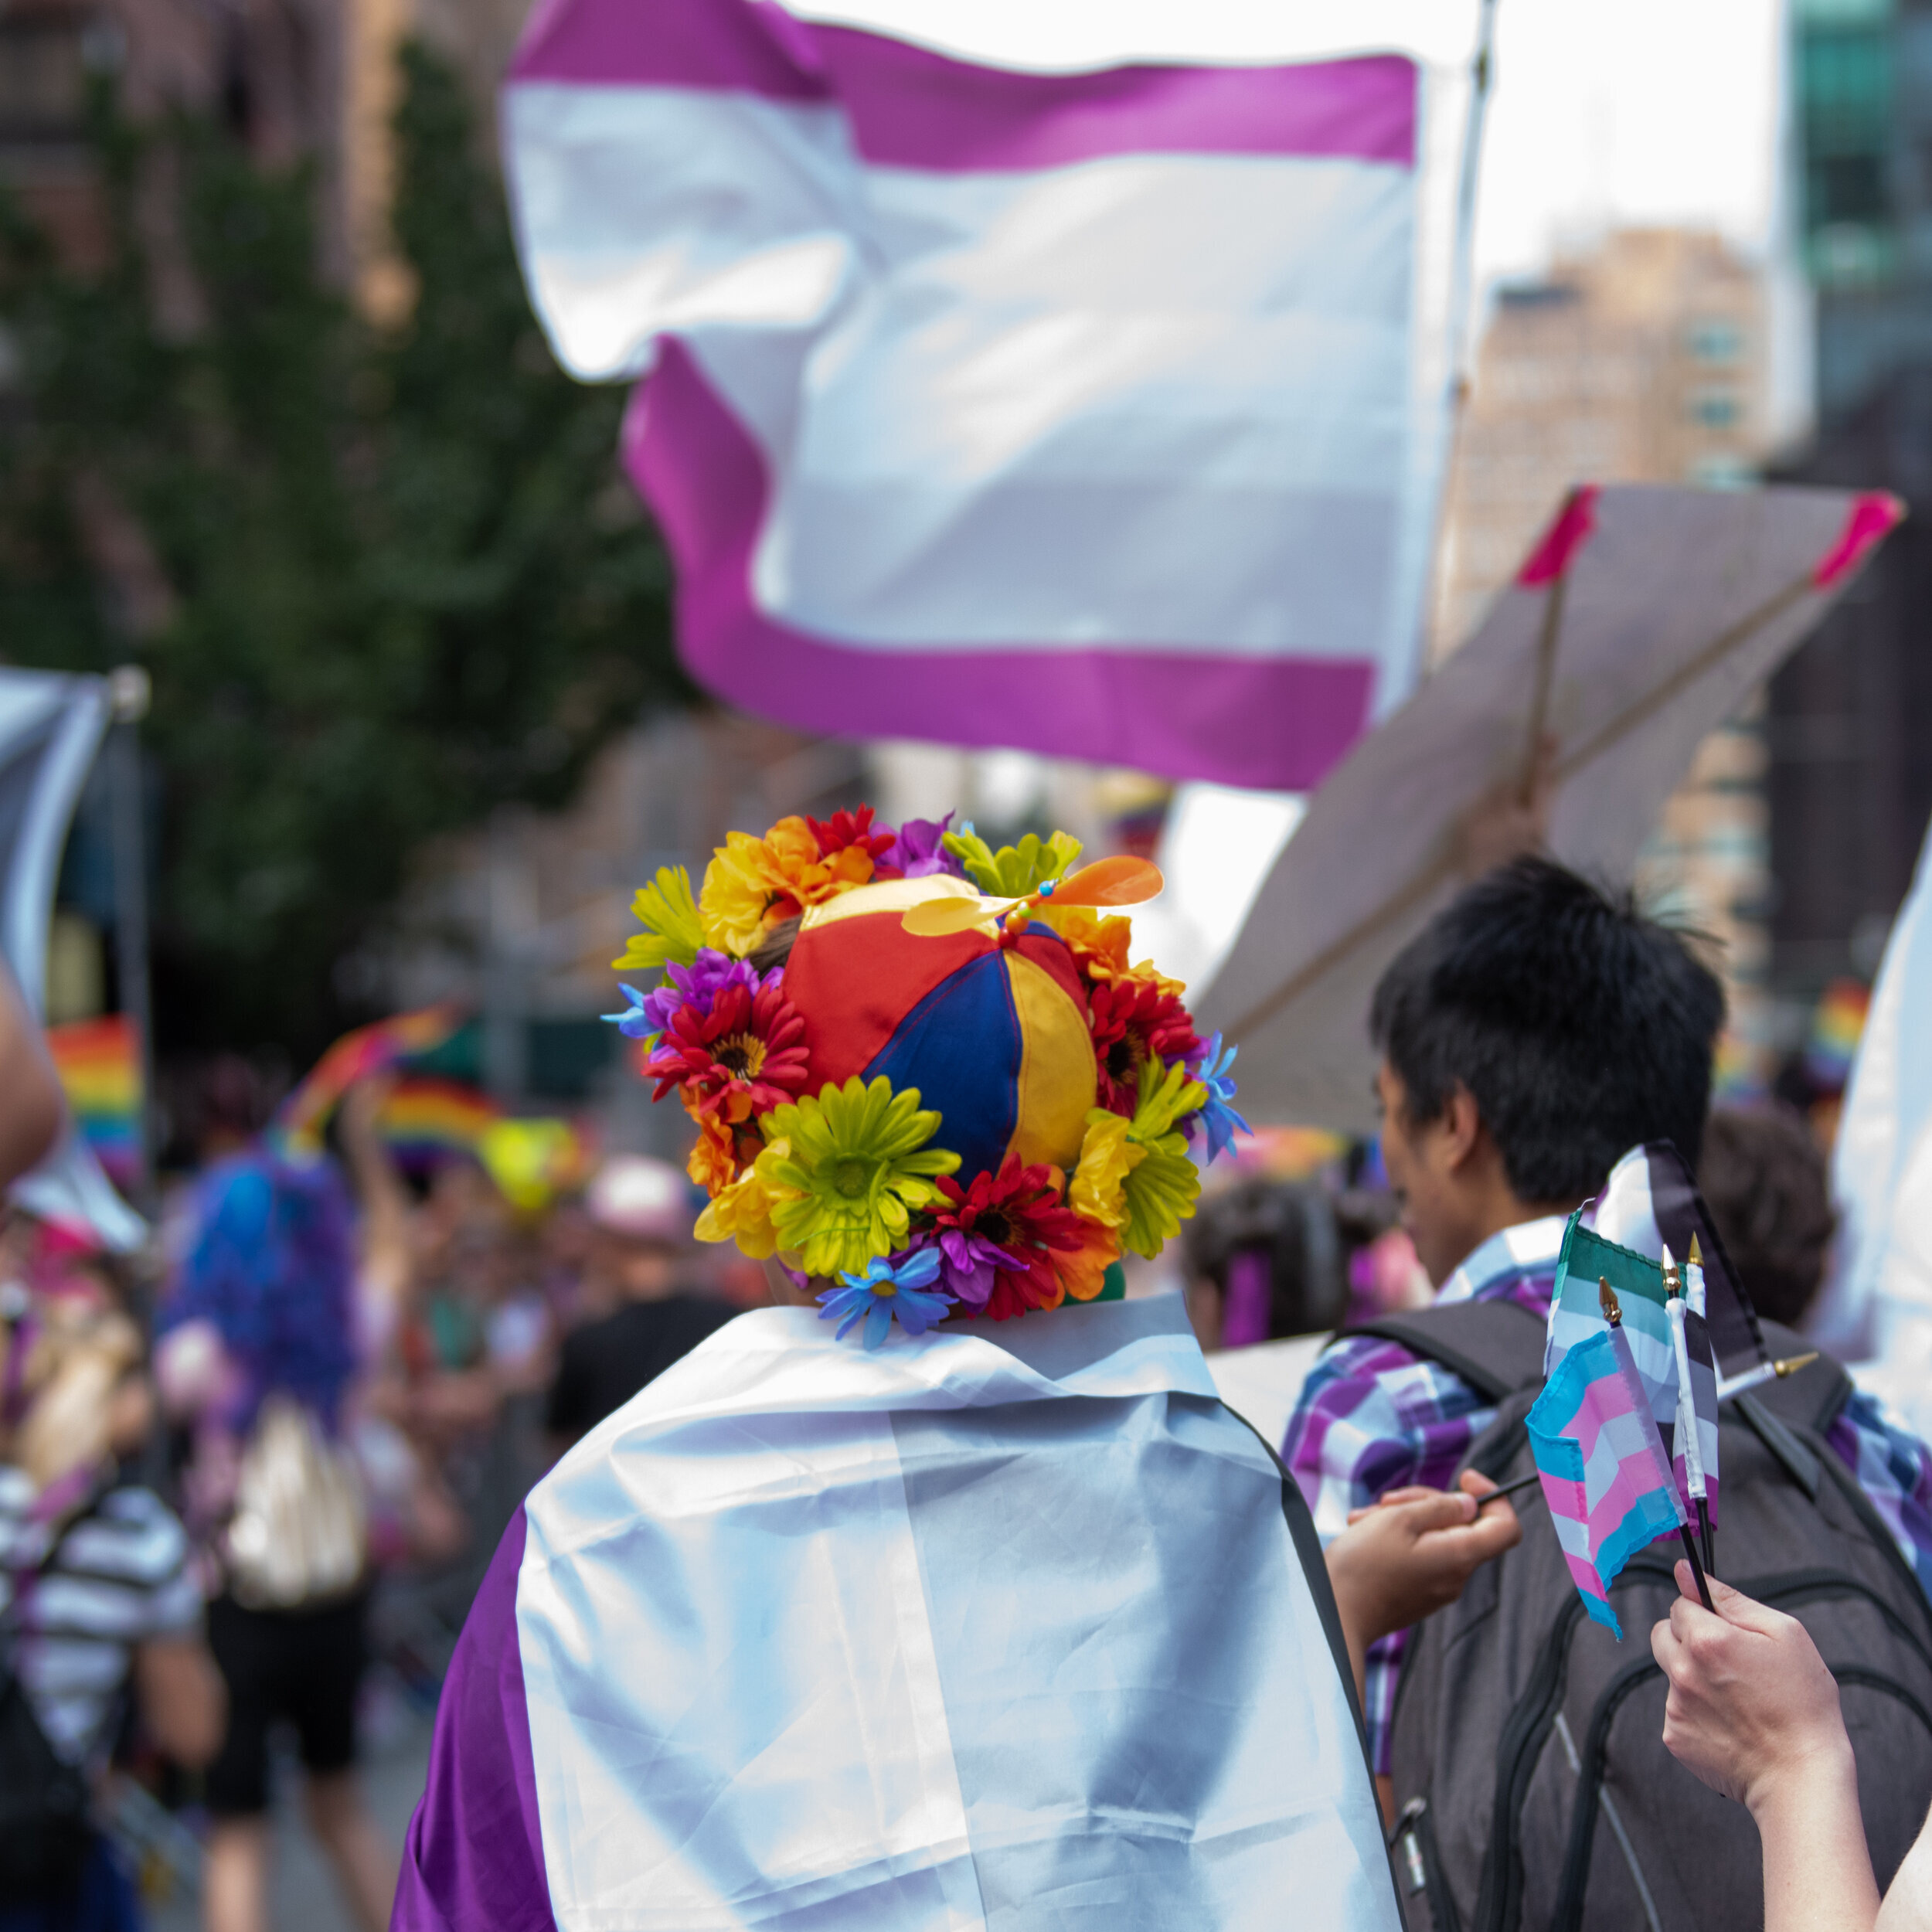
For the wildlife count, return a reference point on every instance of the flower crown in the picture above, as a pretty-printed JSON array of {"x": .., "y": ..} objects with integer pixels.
[{"x": 853, "y": 1181}]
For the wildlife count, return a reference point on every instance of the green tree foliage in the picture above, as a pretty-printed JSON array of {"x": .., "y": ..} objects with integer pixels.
[{"x": 409, "y": 583}]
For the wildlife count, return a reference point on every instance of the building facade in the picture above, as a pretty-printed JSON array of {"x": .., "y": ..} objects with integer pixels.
[{"x": 1641, "y": 360}]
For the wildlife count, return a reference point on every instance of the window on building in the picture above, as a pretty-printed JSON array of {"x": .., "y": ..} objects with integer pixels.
[
  {"x": 1715, "y": 339},
  {"x": 1718, "y": 472},
  {"x": 1717, "y": 409},
  {"x": 43, "y": 80}
]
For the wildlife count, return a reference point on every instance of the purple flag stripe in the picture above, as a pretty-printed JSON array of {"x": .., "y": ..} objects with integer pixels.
[
  {"x": 1269, "y": 722},
  {"x": 910, "y": 107},
  {"x": 473, "y": 1855}
]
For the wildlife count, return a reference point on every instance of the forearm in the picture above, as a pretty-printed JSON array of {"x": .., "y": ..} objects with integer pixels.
[{"x": 1817, "y": 1872}]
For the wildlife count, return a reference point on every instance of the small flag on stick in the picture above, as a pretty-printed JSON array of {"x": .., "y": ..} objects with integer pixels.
[
  {"x": 1605, "y": 1476},
  {"x": 1695, "y": 1438}
]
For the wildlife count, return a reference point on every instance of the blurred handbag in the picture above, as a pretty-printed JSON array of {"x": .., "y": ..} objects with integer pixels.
[{"x": 299, "y": 1533}]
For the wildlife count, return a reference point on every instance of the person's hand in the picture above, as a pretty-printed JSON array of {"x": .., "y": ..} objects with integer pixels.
[
  {"x": 1751, "y": 1710},
  {"x": 1411, "y": 1554},
  {"x": 1510, "y": 819}
]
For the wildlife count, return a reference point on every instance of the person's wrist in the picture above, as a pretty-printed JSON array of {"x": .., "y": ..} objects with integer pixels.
[{"x": 1801, "y": 1786}]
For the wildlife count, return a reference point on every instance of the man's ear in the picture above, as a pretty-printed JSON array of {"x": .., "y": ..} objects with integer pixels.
[{"x": 1460, "y": 1127}]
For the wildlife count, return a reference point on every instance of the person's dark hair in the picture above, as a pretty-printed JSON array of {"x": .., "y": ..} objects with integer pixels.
[
  {"x": 1291, "y": 1226},
  {"x": 1579, "y": 1027},
  {"x": 1763, "y": 1178}
]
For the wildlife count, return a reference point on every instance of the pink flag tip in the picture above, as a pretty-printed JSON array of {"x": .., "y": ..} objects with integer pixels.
[
  {"x": 1873, "y": 516},
  {"x": 1568, "y": 532}
]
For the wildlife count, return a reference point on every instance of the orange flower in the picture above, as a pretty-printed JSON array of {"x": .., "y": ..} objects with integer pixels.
[
  {"x": 713, "y": 1163},
  {"x": 1083, "y": 1270}
]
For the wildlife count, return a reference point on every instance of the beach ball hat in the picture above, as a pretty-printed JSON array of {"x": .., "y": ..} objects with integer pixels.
[{"x": 922, "y": 1071}]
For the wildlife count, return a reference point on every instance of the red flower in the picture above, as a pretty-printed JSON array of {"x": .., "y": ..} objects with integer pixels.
[
  {"x": 1132, "y": 1021},
  {"x": 1015, "y": 1215},
  {"x": 846, "y": 829},
  {"x": 744, "y": 1057}
]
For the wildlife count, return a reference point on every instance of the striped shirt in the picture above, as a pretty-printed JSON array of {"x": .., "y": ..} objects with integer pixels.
[
  {"x": 1371, "y": 1418},
  {"x": 118, "y": 1578}
]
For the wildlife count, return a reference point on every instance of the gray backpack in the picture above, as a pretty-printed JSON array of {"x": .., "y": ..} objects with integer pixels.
[{"x": 1532, "y": 1788}]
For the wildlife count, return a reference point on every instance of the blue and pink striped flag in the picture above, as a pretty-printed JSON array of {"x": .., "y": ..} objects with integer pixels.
[
  {"x": 1094, "y": 412},
  {"x": 1605, "y": 1475}
]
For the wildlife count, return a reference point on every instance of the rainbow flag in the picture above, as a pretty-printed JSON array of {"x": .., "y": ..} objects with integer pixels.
[
  {"x": 1605, "y": 1476},
  {"x": 1837, "y": 1024},
  {"x": 98, "y": 1063},
  {"x": 426, "y": 1120},
  {"x": 301, "y": 1117}
]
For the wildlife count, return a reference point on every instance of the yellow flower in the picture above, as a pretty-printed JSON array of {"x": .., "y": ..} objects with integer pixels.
[
  {"x": 740, "y": 886},
  {"x": 856, "y": 1166},
  {"x": 742, "y": 1212},
  {"x": 1097, "y": 1190},
  {"x": 669, "y": 916}
]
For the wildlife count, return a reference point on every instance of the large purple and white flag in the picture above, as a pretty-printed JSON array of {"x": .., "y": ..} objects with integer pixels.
[
  {"x": 1096, "y": 413},
  {"x": 1006, "y": 1625}
]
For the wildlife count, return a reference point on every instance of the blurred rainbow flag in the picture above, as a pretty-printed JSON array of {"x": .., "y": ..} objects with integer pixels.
[
  {"x": 426, "y": 1120},
  {"x": 98, "y": 1063},
  {"x": 302, "y": 1117},
  {"x": 1837, "y": 1024}
]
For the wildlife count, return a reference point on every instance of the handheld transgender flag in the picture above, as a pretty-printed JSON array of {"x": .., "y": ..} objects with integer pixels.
[
  {"x": 1605, "y": 1475},
  {"x": 1587, "y": 1258},
  {"x": 1095, "y": 413}
]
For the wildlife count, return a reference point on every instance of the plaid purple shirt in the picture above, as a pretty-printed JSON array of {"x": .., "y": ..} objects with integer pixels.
[{"x": 1371, "y": 1418}]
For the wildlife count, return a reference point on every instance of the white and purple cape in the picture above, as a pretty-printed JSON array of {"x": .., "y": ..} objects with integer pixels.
[{"x": 1008, "y": 1626}]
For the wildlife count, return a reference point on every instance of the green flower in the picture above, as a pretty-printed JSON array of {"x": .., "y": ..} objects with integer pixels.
[
  {"x": 1159, "y": 1190},
  {"x": 669, "y": 915},
  {"x": 1160, "y": 1193},
  {"x": 1013, "y": 870},
  {"x": 1166, "y": 1093},
  {"x": 856, "y": 1168}
]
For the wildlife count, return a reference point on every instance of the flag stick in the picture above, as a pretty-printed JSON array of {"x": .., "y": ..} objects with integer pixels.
[
  {"x": 1510, "y": 1488},
  {"x": 1697, "y": 1569},
  {"x": 1704, "y": 1533}
]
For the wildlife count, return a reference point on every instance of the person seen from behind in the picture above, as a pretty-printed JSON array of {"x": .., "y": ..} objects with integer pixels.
[
  {"x": 1767, "y": 1185},
  {"x": 1532, "y": 1033},
  {"x": 258, "y": 1356},
  {"x": 642, "y": 1211}
]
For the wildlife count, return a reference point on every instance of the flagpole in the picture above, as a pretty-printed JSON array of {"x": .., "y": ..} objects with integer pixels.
[
  {"x": 1462, "y": 273},
  {"x": 129, "y": 690}
]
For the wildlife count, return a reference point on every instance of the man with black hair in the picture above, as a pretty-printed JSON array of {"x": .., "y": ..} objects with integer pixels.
[{"x": 1536, "y": 1030}]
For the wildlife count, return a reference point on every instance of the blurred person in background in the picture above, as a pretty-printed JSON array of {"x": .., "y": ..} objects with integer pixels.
[
  {"x": 1765, "y": 1179},
  {"x": 642, "y": 1211},
  {"x": 31, "y": 1115},
  {"x": 1265, "y": 1261},
  {"x": 97, "y": 1596},
  {"x": 258, "y": 1355}
]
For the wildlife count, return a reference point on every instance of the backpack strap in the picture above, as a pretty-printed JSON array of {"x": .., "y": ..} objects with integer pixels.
[{"x": 1496, "y": 1346}]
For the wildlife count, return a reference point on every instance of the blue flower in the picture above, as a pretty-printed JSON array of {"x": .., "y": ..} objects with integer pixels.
[
  {"x": 1218, "y": 1117},
  {"x": 889, "y": 1287},
  {"x": 637, "y": 1021}
]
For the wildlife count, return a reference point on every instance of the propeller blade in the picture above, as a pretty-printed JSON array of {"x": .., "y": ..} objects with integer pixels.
[
  {"x": 936, "y": 918},
  {"x": 1120, "y": 881}
]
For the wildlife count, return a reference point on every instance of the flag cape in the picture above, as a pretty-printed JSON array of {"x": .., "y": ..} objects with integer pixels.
[
  {"x": 50, "y": 729},
  {"x": 1083, "y": 412},
  {"x": 1604, "y": 1473},
  {"x": 1007, "y": 1625}
]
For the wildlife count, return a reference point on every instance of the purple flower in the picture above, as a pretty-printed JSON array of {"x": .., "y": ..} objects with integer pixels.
[
  {"x": 698, "y": 984},
  {"x": 916, "y": 851},
  {"x": 968, "y": 1262}
]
